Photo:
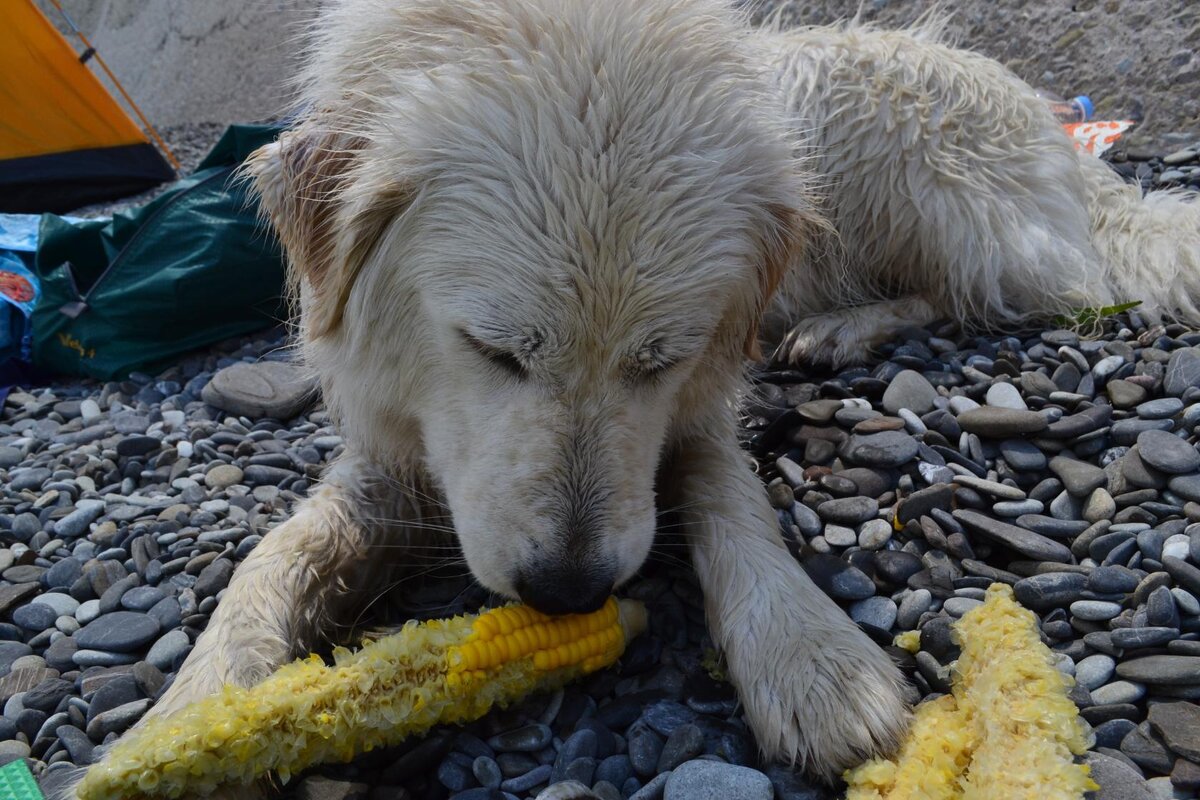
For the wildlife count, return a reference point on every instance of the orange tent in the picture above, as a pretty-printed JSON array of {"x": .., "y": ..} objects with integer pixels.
[{"x": 64, "y": 141}]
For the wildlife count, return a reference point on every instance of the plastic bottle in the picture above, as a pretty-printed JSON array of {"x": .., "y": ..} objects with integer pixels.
[{"x": 1077, "y": 109}]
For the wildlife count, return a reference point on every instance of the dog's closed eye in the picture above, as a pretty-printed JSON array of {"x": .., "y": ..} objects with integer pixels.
[{"x": 498, "y": 357}]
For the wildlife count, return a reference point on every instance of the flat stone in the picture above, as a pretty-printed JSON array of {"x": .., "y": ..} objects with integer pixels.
[
  {"x": 118, "y": 632},
  {"x": 35, "y": 617},
  {"x": 1022, "y": 456},
  {"x": 1163, "y": 408},
  {"x": 1179, "y": 726},
  {"x": 1005, "y": 395},
  {"x": 909, "y": 390},
  {"x": 920, "y": 503},
  {"x": 886, "y": 449},
  {"x": 818, "y": 411},
  {"x": 22, "y": 680},
  {"x": 1167, "y": 452},
  {"x": 1145, "y": 750},
  {"x": 213, "y": 578},
  {"x": 12, "y": 594},
  {"x": 993, "y": 488},
  {"x": 1183, "y": 371},
  {"x": 262, "y": 389},
  {"x": 1000, "y": 423},
  {"x": 1165, "y": 670},
  {"x": 874, "y": 534},
  {"x": 117, "y": 720},
  {"x": 879, "y": 612},
  {"x": 1094, "y": 610},
  {"x": 1094, "y": 671},
  {"x": 1118, "y": 693},
  {"x": 684, "y": 743},
  {"x": 714, "y": 780},
  {"x": 1117, "y": 780},
  {"x": 1125, "y": 395},
  {"x": 1078, "y": 477},
  {"x": 223, "y": 476},
  {"x": 1186, "y": 575},
  {"x": 897, "y": 566},
  {"x": 1050, "y": 590},
  {"x": 526, "y": 739},
  {"x": 1025, "y": 542},
  {"x": 848, "y": 510},
  {"x": 163, "y": 652},
  {"x": 1135, "y": 638}
]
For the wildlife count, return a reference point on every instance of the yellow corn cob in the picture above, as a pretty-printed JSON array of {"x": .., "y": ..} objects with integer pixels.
[
  {"x": 441, "y": 671},
  {"x": 1008, "y": 731}
]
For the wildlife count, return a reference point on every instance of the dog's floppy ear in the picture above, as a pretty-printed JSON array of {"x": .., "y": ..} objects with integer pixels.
[
  {"x": 327, "y": 214},
  {"x": 781, "y": 246}
]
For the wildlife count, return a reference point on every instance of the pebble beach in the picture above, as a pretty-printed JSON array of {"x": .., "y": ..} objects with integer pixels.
[{"x": 1066, "y": 467}]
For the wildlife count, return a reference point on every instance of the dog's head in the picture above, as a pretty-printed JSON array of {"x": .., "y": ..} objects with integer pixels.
[{"x": 541, "y": 268}]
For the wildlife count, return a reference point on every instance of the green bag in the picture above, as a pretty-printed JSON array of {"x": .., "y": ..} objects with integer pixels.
[{"x": 192, "y": 267}]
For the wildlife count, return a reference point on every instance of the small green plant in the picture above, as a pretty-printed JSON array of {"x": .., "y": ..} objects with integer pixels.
[
  {"x": 1088, "y": 317},
  {"x": 714, "y": 664}
]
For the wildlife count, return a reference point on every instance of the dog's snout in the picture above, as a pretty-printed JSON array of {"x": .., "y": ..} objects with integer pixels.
[{"x": 565, "y": 590}]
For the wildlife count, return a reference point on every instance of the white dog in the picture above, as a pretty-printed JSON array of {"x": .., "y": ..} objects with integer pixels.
[{"x": 532, "y": 242}]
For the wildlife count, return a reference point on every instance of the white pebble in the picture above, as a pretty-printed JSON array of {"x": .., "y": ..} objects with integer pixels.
[{"x": 1176, "y": 546}]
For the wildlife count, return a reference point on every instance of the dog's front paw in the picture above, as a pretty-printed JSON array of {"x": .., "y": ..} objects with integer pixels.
[
  {"x": 821, "y": 340},
  {"x": 823, "y": 700}
]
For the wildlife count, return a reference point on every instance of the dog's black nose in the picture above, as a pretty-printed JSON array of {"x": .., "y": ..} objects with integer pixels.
[{"x": 565, "y": 591}]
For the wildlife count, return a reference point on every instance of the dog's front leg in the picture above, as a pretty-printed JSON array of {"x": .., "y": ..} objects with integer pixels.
[
  {"x": 817, "y": 692},
  {"x": 287, "y": 594}
]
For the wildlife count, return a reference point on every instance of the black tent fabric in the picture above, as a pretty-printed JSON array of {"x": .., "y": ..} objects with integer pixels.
[{"x": 60, "y": 182}]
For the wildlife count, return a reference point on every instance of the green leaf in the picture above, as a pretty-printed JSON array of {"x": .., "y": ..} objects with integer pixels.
[{"x": 1089, "y": 316}]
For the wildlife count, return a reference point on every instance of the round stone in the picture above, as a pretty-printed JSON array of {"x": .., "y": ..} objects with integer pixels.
[
  {"x": 874, "y": 534},
  {"x": 1094, "y": 671},
  {"x": 897, "y": 566},
  {"x": 1167, "y": 452},
  {"x": 1005, "y": 395},
  {"x": 1118, "y": 692},
  {"x": 914, "y": 604},
  {"x": 840, "y": 536},
  {"x": 1094, "y": 610},
  {"x": 879, "y": 612},
  {"x": 168, "y": 647},
  {"x": 35, "y": 617},
  {"x": 223, "y": 476},
  {"x": 851, "y": 583},
  {"x": 886, "y": 449},
  {"x": 714, "y": 780},
  {"x": 61, "y": 603},
  {"x": 957, "y": 606},
  {"x": 118, "y": 632},
  {"x": 909, "y": 390},
  {"x": 848, "y": 510}
]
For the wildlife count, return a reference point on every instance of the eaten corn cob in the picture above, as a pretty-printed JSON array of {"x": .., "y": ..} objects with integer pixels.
[
  {"x": 441, "y": 671},
  {"x": 1008, "y": 730}
]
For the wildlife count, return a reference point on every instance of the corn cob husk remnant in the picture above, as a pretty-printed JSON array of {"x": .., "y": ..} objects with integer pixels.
[
  {"x": 441, "y": 671},
  {"x": 1008, "y": 731}
]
